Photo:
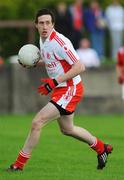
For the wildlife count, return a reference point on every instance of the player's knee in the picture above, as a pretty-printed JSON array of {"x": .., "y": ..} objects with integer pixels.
[
  {"x": 35, "y": 125},
  {"x": 67, "y": 132},
  {"x": 39, "y": 123}
]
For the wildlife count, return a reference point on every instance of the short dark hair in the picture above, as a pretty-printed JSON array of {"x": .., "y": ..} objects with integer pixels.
[{"x": 45, "y": 11}]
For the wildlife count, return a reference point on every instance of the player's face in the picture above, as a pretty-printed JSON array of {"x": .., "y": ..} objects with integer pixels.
[{"x": 44, "y": 25}]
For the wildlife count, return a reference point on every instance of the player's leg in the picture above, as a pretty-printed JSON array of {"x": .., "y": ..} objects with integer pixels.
[
  {"x": 68, "y": 128},
  {"x": 45, "y": 115},
  {"x": 48, "y": 113}
]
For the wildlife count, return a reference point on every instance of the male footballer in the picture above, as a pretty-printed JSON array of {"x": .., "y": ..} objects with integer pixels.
[{"x": 66, "y": 89}]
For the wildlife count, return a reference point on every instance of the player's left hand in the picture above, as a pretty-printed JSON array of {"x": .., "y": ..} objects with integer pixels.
[{"x": 49, "y": 85}]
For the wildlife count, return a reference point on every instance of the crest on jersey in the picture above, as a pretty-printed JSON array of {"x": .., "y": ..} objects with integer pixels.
[
  {"x": 66, "y": 49},
  {"x": 48, "y": 55}
]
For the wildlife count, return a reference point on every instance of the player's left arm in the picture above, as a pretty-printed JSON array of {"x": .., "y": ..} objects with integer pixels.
[
  {"x": 77, "y": 68},
  {"x": 68, "y": 53},
  {"x": 50, "y": 84}
]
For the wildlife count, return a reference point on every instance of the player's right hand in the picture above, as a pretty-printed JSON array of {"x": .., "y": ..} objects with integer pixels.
[{"x": 121, "y": 80}]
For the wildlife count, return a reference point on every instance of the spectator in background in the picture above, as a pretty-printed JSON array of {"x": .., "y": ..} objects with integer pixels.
[
  {"x": 120, "y": 65},
  {"x": 76, "y": 12},
  {"x": 95, "y": 24},
  {"x": 115, "y": 21},
  {"x": 62, "y": 16},
  {"x": 120, "y": 68},
  {"x": 87, "y": 55}
]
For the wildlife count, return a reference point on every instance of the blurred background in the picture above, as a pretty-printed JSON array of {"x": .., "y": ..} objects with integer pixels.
[{"x": 96, "y": 29}]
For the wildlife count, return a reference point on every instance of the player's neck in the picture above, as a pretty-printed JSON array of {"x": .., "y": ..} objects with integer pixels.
[{"x": 43, "y": 39}]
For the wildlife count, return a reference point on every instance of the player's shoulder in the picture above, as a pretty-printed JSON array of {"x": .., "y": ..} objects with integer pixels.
[{"x": 61, "y": 40}]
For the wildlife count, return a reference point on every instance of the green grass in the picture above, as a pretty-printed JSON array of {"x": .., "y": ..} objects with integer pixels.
[{"x": 58, "y": 157}]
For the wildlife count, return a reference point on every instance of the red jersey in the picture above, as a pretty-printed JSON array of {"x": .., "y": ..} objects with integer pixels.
[{"x": 120, "y": 56}]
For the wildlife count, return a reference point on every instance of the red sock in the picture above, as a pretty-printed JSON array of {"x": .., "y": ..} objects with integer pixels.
[
  {"x": 98, "y": 146},
  {"x": 21, "y": 159}
]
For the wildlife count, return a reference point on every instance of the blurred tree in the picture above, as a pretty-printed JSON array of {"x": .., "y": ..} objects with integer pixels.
[
  {"x": 18, "y": 9},
  {"x": 12, "y": 39}
]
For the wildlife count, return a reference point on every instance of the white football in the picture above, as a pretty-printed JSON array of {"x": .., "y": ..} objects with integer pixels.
[{"x": 29, "y": 55}]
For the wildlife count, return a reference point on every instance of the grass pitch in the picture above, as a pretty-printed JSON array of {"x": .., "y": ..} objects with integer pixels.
[{"x": 58, "y": 157}]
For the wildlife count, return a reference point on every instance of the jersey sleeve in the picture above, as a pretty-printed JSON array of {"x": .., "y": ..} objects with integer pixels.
[{"x": 67, "y": 52}]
